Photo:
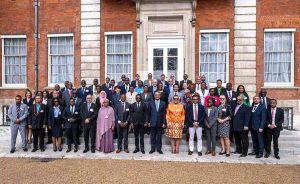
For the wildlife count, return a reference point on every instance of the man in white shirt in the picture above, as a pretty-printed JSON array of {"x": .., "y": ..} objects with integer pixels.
[{"x": 130, "y": 95}]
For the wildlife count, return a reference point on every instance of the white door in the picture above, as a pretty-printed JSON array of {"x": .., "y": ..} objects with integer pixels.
[{"x": 165, "y": 56}]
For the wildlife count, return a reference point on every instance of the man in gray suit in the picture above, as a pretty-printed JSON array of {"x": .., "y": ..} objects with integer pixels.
[
  {"x": 67, "y": 94},
  {"x": 175, "y": 92},
  {"x": 18, "y": 113},
  {"x": 148, "y": 82}
]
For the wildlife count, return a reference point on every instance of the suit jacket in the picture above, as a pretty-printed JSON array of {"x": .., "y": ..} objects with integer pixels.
[
  {"x": 241, "y": 118},
  {"x": 134, "y": 83},
  {"x": 51, "y": 120},
  {"x": 258, "y": 117},
  {"x": 92, "y": 114},
  {"x": 82, "y": 94},
  {"x": 66, "y": 97},
  {"x": 181, "y": 83},
  {"x": 279, "y": 119},
  {"x": 120, "y": 83},
  {"x": 67, "y": 115},
  {"x": 152, "y": 89},
  {"x": 123, "y": 89},
  {"x": 268, "y": 101},
  {"x": 231, "y": 101},
  {"x": 115, "y": 99},
  {"x": 211, "y": 119},
  {"x": 147, "y": 99},
  {"x": 190, "y": 115},
  {"x": 147, "y": 83},
  {"x": 12, "y": 113},
  {"x": 222, "y": 92},
  {"x": 37, "y": 119},
  {"x": 139, "y": 115},
  {"x": 122, "y": 115},
  {"x": 29, "y": 103},
  {"x": 78, "y": 102},
  {"x": 157, "y": 118},
  {"x": 171, "y": 95}
]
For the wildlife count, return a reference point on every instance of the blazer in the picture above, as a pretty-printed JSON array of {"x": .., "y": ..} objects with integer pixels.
[
  {"x": 121, "y": 114},
  {"x": 181, "y": 83},
  {"x": 190, "y": 115},
  {"x": 171, "y": 95},
  {"x": 147, "y": 83},
  {"x": 148, "y": 98},
  {"x": 120, "y": 83},
  {"x": 67, "y": 115},
  {"x": 279, "y": 119},
  {"x": 51, "y": 120},
  {"x": 157, "y": 118},
  {"x": 222, "y": 92},
  {"x": 258, "y": 117},
  {"x": 92, "y": 114},
  {"x": 123, "y": 89},
  {"x": 231, "y": 102},
  {"x": 78, "y": 102},
  {"x": 139, "y": 115},
  {"x": 241, "y": 118},
  {"x": 37, "y": 119},
  {"x": 12, "y": 113},
  {"x": 66, "y": 97},
  {"x": 115, "y": 99},
  {"x": 268, "y": 101},
  {"x": 82, "y": 94},
  {"x": 211, "y": 119},
  {"x": 134, "y": 83},
  {"x": 28, "y": 103},
  {"x": 152, "y": 89}
]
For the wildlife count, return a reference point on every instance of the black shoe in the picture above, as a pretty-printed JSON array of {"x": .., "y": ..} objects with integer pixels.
[
  {"x": 252, "y": 154},
  {"x": 49, "y": 142},
  {"x": 12, "y": 150},
  {"x": 243, "y": 155},
  {"x": 237, "y": 152},
  {"x": 267, "y": 155},
  {"x": 190, "y": 152},
  {"x": 93, "y": 150},
  {"x": 222, "y": 153},
  {"x": 227, "y": 154},
  {"x": 42, "y": 149},
  {"x": 160, "y": 152},
  {"x": 34, "y": 150},
  {"x": 69, "y": 149},
  {"x": 259, "y": 156},
  {"x": 60, "y": 148},
  {"x": 75, "y": 149},
  {"x": 25, "y": 149},
  {"x": 277, "y": 157},
  {"x": 136, "y": 150},
  {"x": 86, "y": 150},
  {"x": 151, "y": 151},
  {"x": 199, "y": 154},
  {"x": 143, "y": 151}
]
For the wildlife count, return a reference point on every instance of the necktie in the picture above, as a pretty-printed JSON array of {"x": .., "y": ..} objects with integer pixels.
[
  {"x": 18, "y": 111},
  {"x": 157, "y": 105},
  {"x": 89, "y": 106},
  {"x": 138, "y": 105},
  {"x": 126, "y": 89},
  {"x": 236, "y": 109},
  {"x": 71, "y": 93},
  {"x": 273, "y": 116},
  {"x": 264, "y": 101},
  {"x": 123, "y": 106},
  {"x": 198, "y": 88},
  {"x": 72, "y": 110},
  {"x": 229, "y": 95},
  {"x": 195, "y": 112},
  {"x": 254, "y": 108},
  {"x": 83, "y": 90}
]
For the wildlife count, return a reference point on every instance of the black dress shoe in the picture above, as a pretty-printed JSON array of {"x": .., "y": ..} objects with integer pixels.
[
  {"x": 243, "y": 155},
  {"x": 227, "y": 154},
  {"x": 93, "y": 150},
  {"x": 222, "y": 153},
  {"x": 267, "y": 155},
  {"x": 75, "y": 149},
  {"x": 277, "y": 157},
  {"x": 25, "y": 149},
  {"x": 151, "y": 151},
  {"x": 252, "y": 154},
  {"x": 34, "y": 150},
  {"x": 143, "y": 151},
  {"x": 59, "y": 148},
  {"x": 200, "y": 154},
  {"x": 135, "y": 151},
  {"x": 86, "y": 150},
  {"x": 42, "y": 149},
  {"x": 190, "y": 153},
  {"x": 160, "y": 152},
  {"x": 12, "y": 150},
  {"x": 69, "y": 149},
  {"x": 259, "y": 156}
]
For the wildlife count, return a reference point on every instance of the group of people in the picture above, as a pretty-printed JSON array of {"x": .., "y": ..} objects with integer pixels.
[{"x": 159, "y": 106}]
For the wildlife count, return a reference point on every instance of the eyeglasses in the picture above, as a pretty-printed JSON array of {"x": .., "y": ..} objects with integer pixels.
[
  {"x": 55, "y": 101},
  {"x": 176, "y": 98},
  {"x": 239, "y": 100},
  {"x": 222, "y": 98}
]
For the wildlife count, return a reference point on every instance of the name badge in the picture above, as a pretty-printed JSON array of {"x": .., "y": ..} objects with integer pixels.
[
  {"x": 91, "y": 110},
  {"x": 75, "y": 112},
  {"x": 21, "y": 109},
  {"x": 127, "y": 109},
  {"x": 59, "y": 113},
  {"x": 87, "y": 90},
  {"x": 130, "y": 97},
  {"x": 42, "y": 111},
  {"x": 223, "y": 110},
  {"x": 106, "y": 117},
  {"x": 233, "y": 98},
  {"x": 245, "y": 98}
]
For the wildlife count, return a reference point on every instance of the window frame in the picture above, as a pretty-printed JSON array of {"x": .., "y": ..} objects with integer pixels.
[
  {"x": 131, "y": 42},
  {"x": 227, "y": 31},
  {"x": 281, "y": 84},
  {"x": 4, "y": 84},
  {"x": 49, "y": 36}
]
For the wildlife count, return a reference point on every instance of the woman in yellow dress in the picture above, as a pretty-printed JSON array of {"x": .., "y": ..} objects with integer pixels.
[{"x": 175, "y": 123}]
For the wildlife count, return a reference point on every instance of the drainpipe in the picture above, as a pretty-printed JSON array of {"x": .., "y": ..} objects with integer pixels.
[{"x": 36, "y": 5}]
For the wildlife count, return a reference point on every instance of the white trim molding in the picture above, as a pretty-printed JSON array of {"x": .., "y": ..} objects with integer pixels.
[
  {"x": 280, "y": 30},
  {"x": 60, "y": 35},
  {"x": 118, "y": 33},
  {"x": 12, "y": 36},
  {"x": 214, "y": 31}
]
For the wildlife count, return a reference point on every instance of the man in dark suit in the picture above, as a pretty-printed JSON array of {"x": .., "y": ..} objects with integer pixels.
[
  {"x": 230, "y": 95},
  {"x": 122, "y": 82},
  {"x": 240, "y": 122},
  {"x": 37, "y": 122},
  {"x": 157, "y": 121},
  {"x": 83, "y": 91},
  {"x": 219, "y": 90},
  {"x": 125, "y": 88},
  {"x": 72, "y": 118},
  {"x": 135, "y": 82},
  {"x": 195, "y": 115},
  {"x": 93, "y": 87},
  {"x": 275, "y": 119},
  {"x": 78, "y": 101},
  {"x": 185, "y": 80},
  {"x": 88, "y": 115},
  {"x": 106, "y": 85},
  {"x": 67, "y": 94},
  {"x": 258, "y": 121},
  {"x": 66, "y": 83},
  {"x": 264, "y": 100},
  {"x": 139, "y": 119},
  {"x": 122, "y": 111},
  {"x": 154, "y": 86}
]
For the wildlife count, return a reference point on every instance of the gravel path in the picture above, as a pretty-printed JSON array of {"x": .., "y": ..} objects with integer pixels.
[{"x": 17, "y": 170}]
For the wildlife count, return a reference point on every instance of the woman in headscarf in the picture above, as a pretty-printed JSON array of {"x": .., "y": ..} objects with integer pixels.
[{"x": 102, "y": 97}]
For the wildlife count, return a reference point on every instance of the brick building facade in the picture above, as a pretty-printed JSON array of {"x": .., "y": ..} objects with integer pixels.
[{"x": 250, "y": 42}]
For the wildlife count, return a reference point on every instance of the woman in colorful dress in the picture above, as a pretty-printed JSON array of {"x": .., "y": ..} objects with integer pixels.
[{"x": 175, "y": 123}]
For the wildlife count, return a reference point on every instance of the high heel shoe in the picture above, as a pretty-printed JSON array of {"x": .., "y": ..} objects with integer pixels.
[{"x": 222, "y": 153}]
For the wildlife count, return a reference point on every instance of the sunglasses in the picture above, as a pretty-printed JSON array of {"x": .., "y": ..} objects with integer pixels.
[{"x": 222, "y": 98}]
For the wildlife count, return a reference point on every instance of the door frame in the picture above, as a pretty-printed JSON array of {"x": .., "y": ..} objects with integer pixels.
[{"x": 171, "y": 42}]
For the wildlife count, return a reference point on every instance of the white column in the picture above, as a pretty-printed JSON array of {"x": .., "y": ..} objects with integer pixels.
[
  {"x": 245, "y": 44},
  {"x": 90, "y": 40}
]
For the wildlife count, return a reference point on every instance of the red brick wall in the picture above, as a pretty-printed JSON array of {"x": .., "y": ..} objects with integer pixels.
[
  {"x": 17, "y": 17},
  {"x": 282, "y": 14},
  {"x": 216, "y": 14},
  {"x": 117, "y": 16}
]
